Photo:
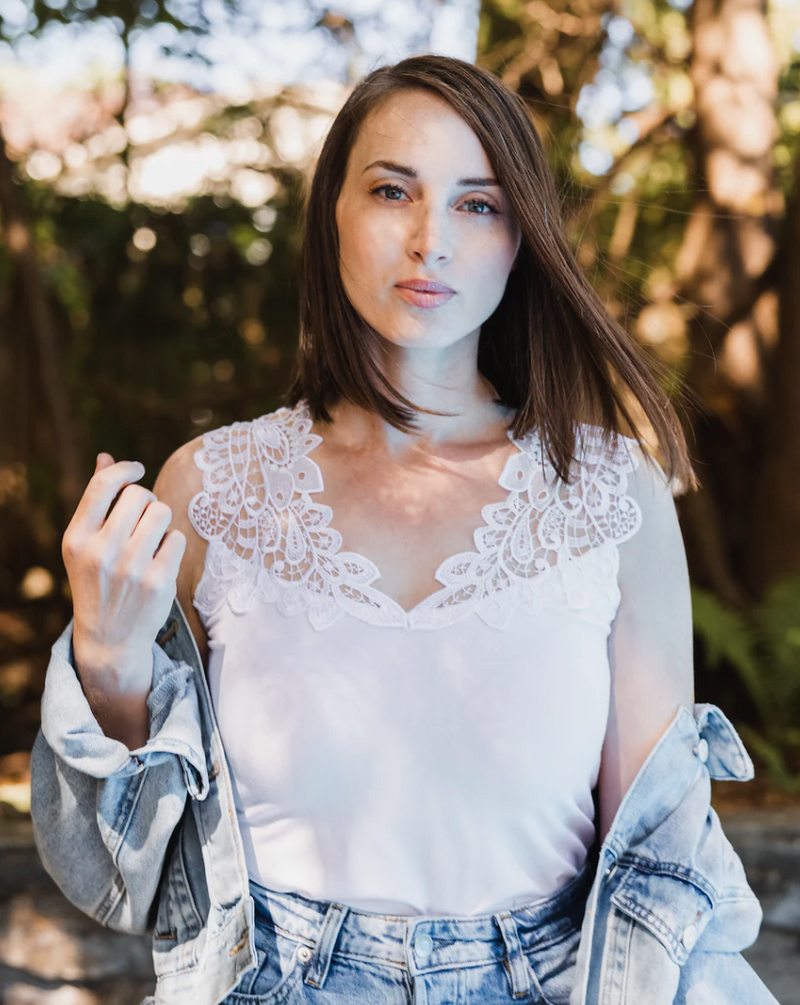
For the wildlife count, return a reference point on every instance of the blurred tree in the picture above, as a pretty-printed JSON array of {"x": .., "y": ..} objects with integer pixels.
[
  {"x": 663, "y": 127},
  {"x": 775, "y": 525},
  {"x": 112, "y": 304},
  {"x": 723, "y": 270},
  {"x": 191, "y": 21}
]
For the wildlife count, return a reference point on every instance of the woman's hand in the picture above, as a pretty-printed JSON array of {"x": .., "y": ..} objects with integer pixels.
[{"x": 122, "y": 571}]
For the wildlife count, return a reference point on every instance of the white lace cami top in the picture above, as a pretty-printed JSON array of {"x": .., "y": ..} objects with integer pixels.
[{"x": 438, "y": 761}]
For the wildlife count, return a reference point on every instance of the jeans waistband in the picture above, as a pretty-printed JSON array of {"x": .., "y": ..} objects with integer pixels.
[{"x": 426, "y": 942}]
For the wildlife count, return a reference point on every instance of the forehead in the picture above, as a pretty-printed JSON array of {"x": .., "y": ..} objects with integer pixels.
[{"x": 417, "y": 124}]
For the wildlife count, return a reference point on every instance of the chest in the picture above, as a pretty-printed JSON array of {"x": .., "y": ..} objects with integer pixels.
[
  {"x": 467, "y": 711},
  {"x": 407, "y": 520},
  {"x": 294, "y": 521}
]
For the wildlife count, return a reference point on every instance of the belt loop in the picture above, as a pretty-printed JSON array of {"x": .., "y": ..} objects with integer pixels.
[
  {"x": 521, "y": 977},
  {"x": 329, "y": 932}
]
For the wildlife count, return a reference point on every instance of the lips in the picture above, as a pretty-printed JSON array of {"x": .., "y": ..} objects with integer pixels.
[
  {"x": 424, "y": 298},
  {"x": 425, "y": 286}
]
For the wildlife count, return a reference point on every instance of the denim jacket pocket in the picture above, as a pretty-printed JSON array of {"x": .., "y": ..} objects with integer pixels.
[{"x": 672, "y": 902}]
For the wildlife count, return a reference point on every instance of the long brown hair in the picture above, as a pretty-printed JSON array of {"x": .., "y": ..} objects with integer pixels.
[{"x": 551, "y": 350}]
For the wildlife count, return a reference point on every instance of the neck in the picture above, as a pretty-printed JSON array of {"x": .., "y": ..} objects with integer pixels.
[{"x": 446, "y": 380}]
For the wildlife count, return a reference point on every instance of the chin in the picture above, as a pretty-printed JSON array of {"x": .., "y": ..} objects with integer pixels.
[{"x": 430, "y": 335}]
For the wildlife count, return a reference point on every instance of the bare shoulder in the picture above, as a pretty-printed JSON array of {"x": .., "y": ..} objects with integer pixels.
[
  {"x": 658, "y": 541},
  {"x": 178, "y": 481}
]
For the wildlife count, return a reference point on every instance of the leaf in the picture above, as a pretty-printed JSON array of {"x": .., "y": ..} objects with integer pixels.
[
  {"x": 777, "y": 621},
  {"x": 728, "y": 635}
]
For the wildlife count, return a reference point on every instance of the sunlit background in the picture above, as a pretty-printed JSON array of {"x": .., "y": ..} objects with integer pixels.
[{"x": 152, "y": 162}]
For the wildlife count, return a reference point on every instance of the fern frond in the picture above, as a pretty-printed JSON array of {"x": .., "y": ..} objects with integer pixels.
[{"x": 728, "y": 635}]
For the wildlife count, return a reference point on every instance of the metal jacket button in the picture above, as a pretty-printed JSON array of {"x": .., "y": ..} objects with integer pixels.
[
  {"x": 423, "y": 944},
  {"x": 304, "y": 953},
  {"x": 702, "y": 749},
  {"x": 689, "y": 936}
]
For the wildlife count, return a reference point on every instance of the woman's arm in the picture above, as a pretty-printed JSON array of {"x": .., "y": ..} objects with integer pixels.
[
  {"x": 103, "y": 812},
  {"x": 177, "y": 482},
  {"x": 650, "y": 643}
]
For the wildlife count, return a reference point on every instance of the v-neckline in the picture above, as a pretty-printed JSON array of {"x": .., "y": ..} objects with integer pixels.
[
  {"x": 269, "y": 540},
  {"x": 407, "y": 616}
]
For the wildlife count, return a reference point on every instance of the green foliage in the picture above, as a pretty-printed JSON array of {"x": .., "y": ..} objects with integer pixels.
[
  {"x": 160, "y": 344},
  {"x": 763, "y": 648},
  {"x": 655, "y": 173}
]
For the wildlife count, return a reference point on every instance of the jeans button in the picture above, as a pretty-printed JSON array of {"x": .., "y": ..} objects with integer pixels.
[
  {"x": 689, "y": 936},
  {"x": 702, "y": 749},
  {"x": 304, "y": 953},
  {"x": 423, "y": 944}
]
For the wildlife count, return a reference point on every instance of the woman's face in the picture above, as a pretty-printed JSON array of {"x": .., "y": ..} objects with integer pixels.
[{"x": 441, "y": 219}]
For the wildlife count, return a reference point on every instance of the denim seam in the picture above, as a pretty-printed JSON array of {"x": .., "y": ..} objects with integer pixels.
[
  {"x": 119, "y": 825},
  {"x": 117, "y": 851},
  {"x": 301, "y": 940},
  {"x": 646, "y": 915},
  {"x": 286, "y": 908},
  {"x": 744, "y": 897},
  {"x": 673, "y": 870},
  {"x": 111, "y": 900},
  {"x": 189, "y": 894},
  {"x": 626, "y": 971},
  {"x": 376, "y": 961}
]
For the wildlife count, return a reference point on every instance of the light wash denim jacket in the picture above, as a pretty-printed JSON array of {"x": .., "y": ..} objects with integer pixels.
[{"x": 148, "y": 841}]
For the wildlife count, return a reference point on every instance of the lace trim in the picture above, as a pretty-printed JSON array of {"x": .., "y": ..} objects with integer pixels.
[{"x": 545, "y": 544}]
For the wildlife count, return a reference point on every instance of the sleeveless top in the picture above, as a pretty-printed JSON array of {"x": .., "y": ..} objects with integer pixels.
[{"x": 436, "y": 761}]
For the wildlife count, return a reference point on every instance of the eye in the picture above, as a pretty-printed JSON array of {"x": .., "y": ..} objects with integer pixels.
[
  {"x": 482, "y": 202},
  {"x": 383, "y": 188},
  {"x": 468, "y": 202}
]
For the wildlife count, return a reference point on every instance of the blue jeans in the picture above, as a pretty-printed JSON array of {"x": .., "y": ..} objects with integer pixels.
[{"x": 326, "y": 953}]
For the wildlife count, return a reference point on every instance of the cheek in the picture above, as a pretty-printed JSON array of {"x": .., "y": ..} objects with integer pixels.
[
  {"x": 486, "y": 259},
  {"x": 363, "y": 246},
  {"x": 488, "y": 241}
]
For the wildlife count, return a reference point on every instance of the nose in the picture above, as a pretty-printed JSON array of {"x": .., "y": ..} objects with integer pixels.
[{"x": 430, "y": 240}]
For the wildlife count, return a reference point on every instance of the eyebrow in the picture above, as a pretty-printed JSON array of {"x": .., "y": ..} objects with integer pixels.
[{"x": 409, "y": 172}]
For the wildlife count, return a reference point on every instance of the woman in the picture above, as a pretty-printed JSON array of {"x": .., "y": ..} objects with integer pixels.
[{"x": 441, "y": 599}]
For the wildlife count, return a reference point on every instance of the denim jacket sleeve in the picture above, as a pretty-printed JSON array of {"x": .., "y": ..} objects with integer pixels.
[{"x": 102, "y": 814}]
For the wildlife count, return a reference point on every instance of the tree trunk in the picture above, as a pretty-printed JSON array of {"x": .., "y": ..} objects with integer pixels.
[
  {"x": 728, "y": 246},
  {"x": 19, "y": 240},
  {"x": 775, "y": 539}
]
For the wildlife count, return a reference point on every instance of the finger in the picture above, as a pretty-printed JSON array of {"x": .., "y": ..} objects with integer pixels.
[
  {"x": 169, "y": 556},
  {"x": 98, "y": 495},
  {"x": 129, "y": 510},
  {"x": 147, "y": 534}
]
